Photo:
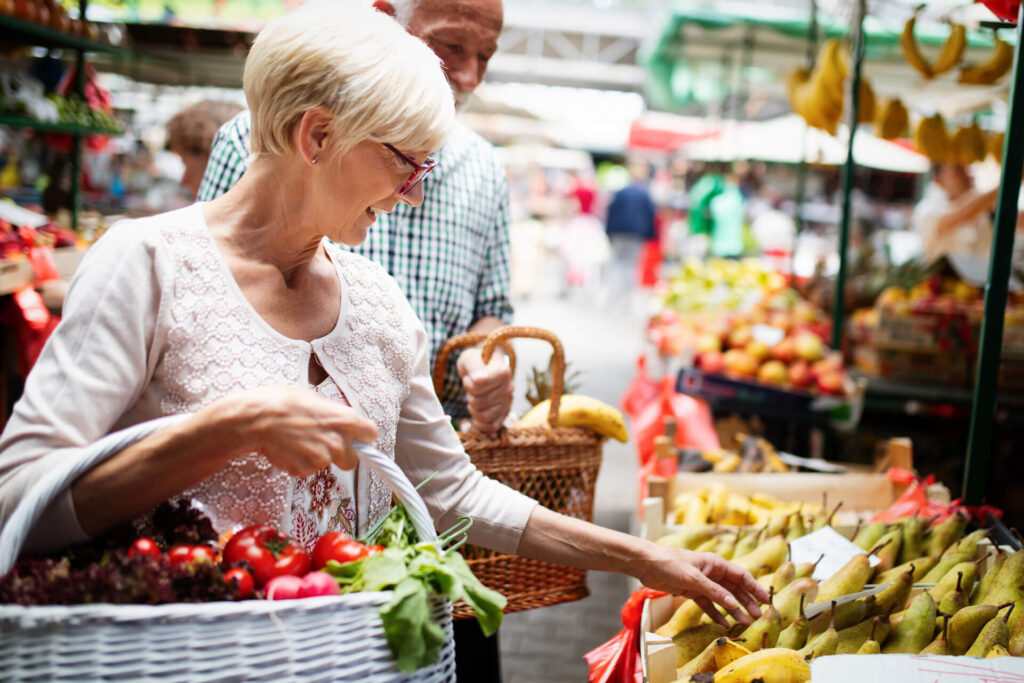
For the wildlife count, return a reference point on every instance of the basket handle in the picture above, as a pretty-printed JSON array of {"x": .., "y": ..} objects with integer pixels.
[
  {"x": 501, "y": 336},
  {"x": 80, "y": 460},
  {"x": 460, "y": 341}
]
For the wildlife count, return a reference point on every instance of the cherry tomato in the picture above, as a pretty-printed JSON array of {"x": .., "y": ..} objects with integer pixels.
[
  {"x": 144, "y": 546},
  {"x": 180, "y": 554},
  {"x": 268, "y": 553},
  {"x": 243, "y": 581},
  {"x": 187, "y": 554},
  {"x": 337, "y": 546}
]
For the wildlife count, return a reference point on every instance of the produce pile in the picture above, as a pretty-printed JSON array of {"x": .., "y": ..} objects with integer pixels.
[
  {"x": 970, "y": 606},
  {"x": 755, "y": 455},
  {"x": 181, "y": 559}
]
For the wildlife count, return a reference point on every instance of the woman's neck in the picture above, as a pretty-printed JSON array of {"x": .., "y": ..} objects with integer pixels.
[{"x": 261, "y": 218}]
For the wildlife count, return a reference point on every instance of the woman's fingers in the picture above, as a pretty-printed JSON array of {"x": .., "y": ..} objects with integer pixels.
[
  {"x": 709, "y": 609},
  {"x": 723, "y": 597}
]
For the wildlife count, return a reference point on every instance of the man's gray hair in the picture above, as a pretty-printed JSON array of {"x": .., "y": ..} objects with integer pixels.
[{"x": 404, "y": 10}]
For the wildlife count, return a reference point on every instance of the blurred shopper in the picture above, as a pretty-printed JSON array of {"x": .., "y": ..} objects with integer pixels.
[
  {"x": 953, "y": 217},
  {"x": 629, "y": 224},
  {"x": 190, "y": 135},
  {"x": 450, "y": 255},
  {"x": 583, "y": 245}
]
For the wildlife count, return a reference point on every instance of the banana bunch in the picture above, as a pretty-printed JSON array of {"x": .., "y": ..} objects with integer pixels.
[
  {"x": 755, "y": 455},
  {"x": 968, "y": 145},
  {"x": 990, "y": 71},
  {"x": 932, "y": 140},
  {"x": 575, "y": 410},
  {"x": 868, "y": 102},
  {"x": 715, "y": 504},
  {"x": 995, "y": 146},
  {"x": 891, "y": 120},
  {"x": 818, "y": 95},
  {"x": 965, "y": 611},
  {"x": 949, "y": 56}
]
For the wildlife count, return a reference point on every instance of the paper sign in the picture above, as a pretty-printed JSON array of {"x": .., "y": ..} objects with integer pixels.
[
  {"x": 826, "y": 541},
  {"x": 916, "y": 669},
  {"x": 766, "y": 334}
]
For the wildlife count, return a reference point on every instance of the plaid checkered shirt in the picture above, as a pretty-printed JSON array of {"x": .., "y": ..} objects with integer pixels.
[{"x": 450, "y": 255}]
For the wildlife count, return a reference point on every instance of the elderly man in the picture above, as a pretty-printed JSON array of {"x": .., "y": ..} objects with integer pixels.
[{"x": 450, "y": 256}]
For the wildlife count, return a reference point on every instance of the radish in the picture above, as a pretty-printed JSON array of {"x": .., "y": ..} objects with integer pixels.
[
  {"x": 285, "y": 587},
  {"x": 316, "y": 584}
]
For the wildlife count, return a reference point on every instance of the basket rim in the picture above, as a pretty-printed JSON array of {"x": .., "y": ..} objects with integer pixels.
[{"x": 256, "y": 607}]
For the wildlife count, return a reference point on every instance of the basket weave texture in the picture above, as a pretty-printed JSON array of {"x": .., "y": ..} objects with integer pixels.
[
  {"x": 557, "y": 466},
  {"x": 336, "y": 638}
]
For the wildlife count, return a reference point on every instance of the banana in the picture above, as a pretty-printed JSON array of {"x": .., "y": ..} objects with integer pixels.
[
  {"x": 575, "y": 410},
  {"x": 912, "y": 53},
  {"x": 969, "y": 145},
  {"x": 932, "y": 140},
  {"x": 774, "y": 665},
  {"x": 866, "y": 113},
  {"x": 992, "y": 70},
  {"x": 952, "y": 49},
  {"x": 818, "y": 96},
  {"x": 892, "y": 120}
]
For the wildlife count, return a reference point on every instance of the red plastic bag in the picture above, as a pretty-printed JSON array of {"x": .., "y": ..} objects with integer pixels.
[
  {"x": 915, "y": 501},
  {"x": 642, "y": 390},
  {"x": 1007, "y": 10},
  {"x": 618, "y": 660},
  {"x": 694, "y": 425},
  {"x": 32, "y": 323},
  {"x": 649, "y": 263}
]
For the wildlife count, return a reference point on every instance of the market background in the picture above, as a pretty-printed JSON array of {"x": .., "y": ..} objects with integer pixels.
[{"x": 576, "y": 91}]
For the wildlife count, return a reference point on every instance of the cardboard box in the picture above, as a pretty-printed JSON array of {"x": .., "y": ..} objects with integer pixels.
[
  {"x": 953, "y": 367},
  {"x": 925, "y": 330}
]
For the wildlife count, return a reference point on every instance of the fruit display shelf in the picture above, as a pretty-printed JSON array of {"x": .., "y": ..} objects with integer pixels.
[
  {"x": 18, "y": 31},
  {"x": 48, "y": 127}
]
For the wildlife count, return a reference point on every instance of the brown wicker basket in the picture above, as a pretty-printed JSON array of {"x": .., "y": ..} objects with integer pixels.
[{"x": 557, "y": 466}]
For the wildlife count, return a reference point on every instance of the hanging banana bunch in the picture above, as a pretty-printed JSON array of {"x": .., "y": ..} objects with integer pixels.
[
  {"x": 891, "y": 120},
  {"x": 932, "y": 140},
  {"x": 968, "y": 145},
  {"x": 995, "y": 147},
  {"x": 997, "y": 66},
  {"x": 949, "y": 56},
  {"x": 818, "y": 95}
]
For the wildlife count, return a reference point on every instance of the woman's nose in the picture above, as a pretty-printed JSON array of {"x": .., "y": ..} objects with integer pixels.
[{"x": 413, "y": 196}]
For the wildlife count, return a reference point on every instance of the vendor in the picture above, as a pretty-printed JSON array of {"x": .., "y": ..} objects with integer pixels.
[
  {"x": 284, "y": 348},
  {"x": 953, "y": 217},
  {"x": 190, "y": 135}
]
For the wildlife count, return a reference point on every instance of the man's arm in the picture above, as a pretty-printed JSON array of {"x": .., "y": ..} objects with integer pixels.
[
  {"x": 954, "y": 218},
  {"x": 229, "y": 158}
]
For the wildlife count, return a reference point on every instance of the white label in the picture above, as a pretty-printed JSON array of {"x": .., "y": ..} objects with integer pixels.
[
  {"x": 836, "y": 549},
  {"x": 766, "y": 334},
  {"x": 916, "y": 669}
]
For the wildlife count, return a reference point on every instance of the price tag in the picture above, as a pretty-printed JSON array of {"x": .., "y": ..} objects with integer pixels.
[
  {"x": 833, "y": 548},
  {"x": 766, "y": 334}
]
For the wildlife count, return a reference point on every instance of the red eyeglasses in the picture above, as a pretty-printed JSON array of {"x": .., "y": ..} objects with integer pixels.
[{"x": 419, "y": 170}]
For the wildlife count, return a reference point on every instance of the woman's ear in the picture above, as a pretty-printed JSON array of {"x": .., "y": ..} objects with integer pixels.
[{"x": 312, "y": 132}]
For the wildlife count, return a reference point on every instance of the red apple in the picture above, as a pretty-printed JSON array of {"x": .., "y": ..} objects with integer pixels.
[
  {"x": 773, "y": 372},
  {"x": 785, "y": 351},
  {"x": 711, "y": 362},
  {"x": 739, "y": 337},
  {"x": 830, "y": 382},
  {"x": 740, "y": 363},
  {"x": 800, "y": 374}
]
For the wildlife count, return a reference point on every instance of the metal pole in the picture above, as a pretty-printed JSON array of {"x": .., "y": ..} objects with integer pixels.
[
  {"x": 848, "y": 170},
  {"x": 983, "y": 412}
]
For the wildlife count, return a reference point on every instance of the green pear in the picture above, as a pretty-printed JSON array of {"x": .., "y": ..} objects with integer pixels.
[
  {"x": 868, "y": 537},
  {"x": 911, "y": 539},
  {"x": 872, "y": 646},
  {"x": 788, "y": 599},
  {"x": 691, "y": 641},
  {"x": 887, "y": 550},
  {"x": 985, "y": 584},
  {"x": 965, "y": 625},
  {"x": 956, "y": 599},
  {"x": 995, "y": 632},
  {"x": 824, "y": 644},
  {"x": 846, "y": 615},
  {"x": 940, "y": 646},
  {"x": 964, "y": 574},
  {"x": 921, "y": 566},
  {"x": 944, "y": 534},
  {"x": 805, "y": 569},
  {"x": 894, "y": 597},
  {"x": 915, "y": 629},
  {"x": 794, "y": 636},
  {"x": 851, "y": 639},
  {"x": 764, "y": 632}
]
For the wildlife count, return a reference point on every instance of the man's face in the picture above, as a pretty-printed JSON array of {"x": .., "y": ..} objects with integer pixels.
[
  {"x": 954, "y": 179},
  {"x": 464, "y": 34}
]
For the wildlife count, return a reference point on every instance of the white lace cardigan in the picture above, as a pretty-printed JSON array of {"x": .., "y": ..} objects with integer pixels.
[{"x": 155, "y": 324}]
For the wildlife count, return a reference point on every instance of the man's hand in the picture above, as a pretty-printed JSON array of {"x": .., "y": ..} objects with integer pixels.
[{"x": 489, "y": 389}]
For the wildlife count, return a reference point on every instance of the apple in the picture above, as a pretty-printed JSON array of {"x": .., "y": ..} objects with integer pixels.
[
  {"x": 758, "y": 350},
  {"x": 740, "y": 336},
  {"x": 785, "y": 351},
  {"x": 740, "y": 363},
  {"x": 781, "y": 320},
  {"x": 707, "y": 342},
  {"x": 830, "y": 382},
  {"x": 809, "y": 346},
  {"x": 711, "y": 362},
  {"x": 773, "y": 372},
  {"x": 830, "y": 364},
  {"x": 800, "y": 374},
  {"x": 805, "y": 312}
]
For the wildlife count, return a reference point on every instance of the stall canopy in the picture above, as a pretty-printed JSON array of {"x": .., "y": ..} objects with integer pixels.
[
  {"x": 695, "y": 56},
  {"x": 668, "y": 132},
  {"x": 778, "y": 141}
]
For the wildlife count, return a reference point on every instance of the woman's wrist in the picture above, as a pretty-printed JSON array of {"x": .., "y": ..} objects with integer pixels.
[{"x": 228, "y": 425}]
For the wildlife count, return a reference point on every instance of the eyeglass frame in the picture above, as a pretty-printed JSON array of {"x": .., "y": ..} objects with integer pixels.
[{"x": 420, "y": 170}]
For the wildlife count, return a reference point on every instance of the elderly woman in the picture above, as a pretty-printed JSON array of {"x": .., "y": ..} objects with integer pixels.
[{"x": 283, "y": 347}]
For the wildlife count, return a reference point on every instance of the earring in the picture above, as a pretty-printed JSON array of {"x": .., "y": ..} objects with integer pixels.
[{"x": 316, "y": 158}]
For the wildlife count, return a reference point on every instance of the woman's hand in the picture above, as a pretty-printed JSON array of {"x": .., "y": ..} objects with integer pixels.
[
  {"x": 489, "y": 389},
  {"x": 707, "y": 579},
  {"x": 298, "y": 430}
]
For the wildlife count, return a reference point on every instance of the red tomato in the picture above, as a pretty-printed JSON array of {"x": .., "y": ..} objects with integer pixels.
[
  {"x": 374, "y": 549},
  {"x": 337, "y": 546},
  {"x": 243, "y": 581},
  {"x": 268, "y": 553},
  {"x": 187, "y": 554},
  {"x": 144, "y": 546},
  {"x": 180, "y": 554}
]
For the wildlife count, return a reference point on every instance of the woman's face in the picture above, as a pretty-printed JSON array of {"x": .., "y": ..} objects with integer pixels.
[{"x": 369, "y": 178}]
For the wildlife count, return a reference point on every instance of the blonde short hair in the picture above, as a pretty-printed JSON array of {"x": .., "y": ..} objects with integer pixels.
[{"x": 378, "y": 81}]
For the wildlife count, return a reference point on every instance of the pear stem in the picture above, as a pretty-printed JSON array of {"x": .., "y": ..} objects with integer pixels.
[
  {"x": 878, "y": 547},
  {"x": 828, "y": 522}
]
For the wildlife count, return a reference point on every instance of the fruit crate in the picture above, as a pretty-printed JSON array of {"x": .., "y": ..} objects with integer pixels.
[
  {"x": 714, "y": 387},
  {"x": 926, "y": 329}
]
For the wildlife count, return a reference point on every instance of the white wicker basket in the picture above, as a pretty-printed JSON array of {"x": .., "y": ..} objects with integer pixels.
[{"x": 338, "y": 638}]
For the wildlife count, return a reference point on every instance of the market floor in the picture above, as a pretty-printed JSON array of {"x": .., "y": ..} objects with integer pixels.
[{"x": 547, "y": 645}]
